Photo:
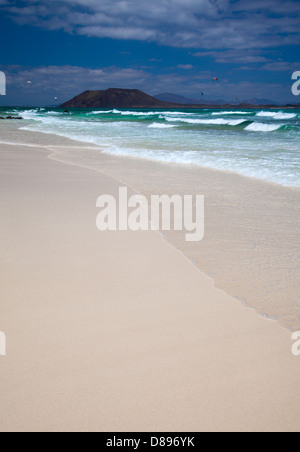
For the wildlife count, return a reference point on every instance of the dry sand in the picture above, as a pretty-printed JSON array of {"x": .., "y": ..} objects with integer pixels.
[{"x": 119, "y": 331}]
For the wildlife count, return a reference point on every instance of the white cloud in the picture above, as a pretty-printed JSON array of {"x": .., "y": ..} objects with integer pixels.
[
  {"x": 206, "y": 24},
  {"x": 280, "y": 66},
  {"x": 234, "y": 56}
]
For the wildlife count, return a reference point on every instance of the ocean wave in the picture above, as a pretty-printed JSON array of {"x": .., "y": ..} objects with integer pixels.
[
  {"x": 176, "y": 113},
  {"x": 40, "y": 114},
  {"x": 160, "y": 126},
  {"x": 276, "y": 115},
  {"x": 285, "y": 116},
  {"x": 29, "y": 114},
  {"x": 221, "y": 113},
  {"x": 260, "y": 127},
  {"x": 161, "y": 114},
  {"x": 266, "y": 114},
  {"x": 135, "y": 113},
  {"x": 102, "y": 112},
  {"x": 52, "y": 113},
  {"x": 220, "y": 121},
  {"x": 273, "y": 174},
  {"x": 204, "y": 138}
]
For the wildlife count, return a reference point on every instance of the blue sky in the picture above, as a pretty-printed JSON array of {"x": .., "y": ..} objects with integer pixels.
[{"x": 68, "y": 46}]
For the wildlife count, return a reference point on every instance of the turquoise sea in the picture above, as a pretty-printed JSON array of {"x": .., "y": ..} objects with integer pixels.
[{"x": 263, "y": 144}]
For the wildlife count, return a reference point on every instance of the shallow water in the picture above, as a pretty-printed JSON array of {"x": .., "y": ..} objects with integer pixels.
[{"x": 254, "y": 143}]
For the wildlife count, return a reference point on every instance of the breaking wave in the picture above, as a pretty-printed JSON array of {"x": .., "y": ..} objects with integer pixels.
[{"x": 262, "y": 144}]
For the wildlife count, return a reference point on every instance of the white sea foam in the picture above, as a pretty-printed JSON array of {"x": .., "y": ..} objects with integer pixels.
[
  {"x": 175, "y": 113},
  {"x": 240, "y": 150},
  {"x": 222, "y": 113},
  {"x": 102, "y": 112},
  {"x": 157, "y": 125},
  {"x": 151, "y": 113},
  {"x": 276, "y": 115},
  {"x": 53, "y": 113},
  {"x": 260, "y": 127},
  {"x": 266, "y": 114},
  {"x": 273, "y": 173},
  {"x": 220, "y": 121},
  {"x": 285, "y": 116},
  {"x": 29, "y": 114},
  {"x": 135, "y": 113}
]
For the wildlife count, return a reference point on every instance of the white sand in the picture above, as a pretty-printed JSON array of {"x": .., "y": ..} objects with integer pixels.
[{"x": 119, "y": 331}]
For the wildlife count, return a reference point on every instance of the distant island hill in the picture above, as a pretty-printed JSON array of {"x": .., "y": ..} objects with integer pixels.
[{"x": 135, "y": 99}]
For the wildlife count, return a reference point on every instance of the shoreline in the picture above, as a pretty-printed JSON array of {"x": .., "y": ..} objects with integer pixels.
[
  {"x": 243, "y": 144},
  {"x": 64, "y": 141},
  {"x": 139, "y": 175},
  {"x": 119, "y": 331},
  {"x": 245, "y": 252}
]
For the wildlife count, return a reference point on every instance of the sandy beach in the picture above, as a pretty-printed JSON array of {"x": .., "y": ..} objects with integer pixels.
[{"x": 122, "y": 331}]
